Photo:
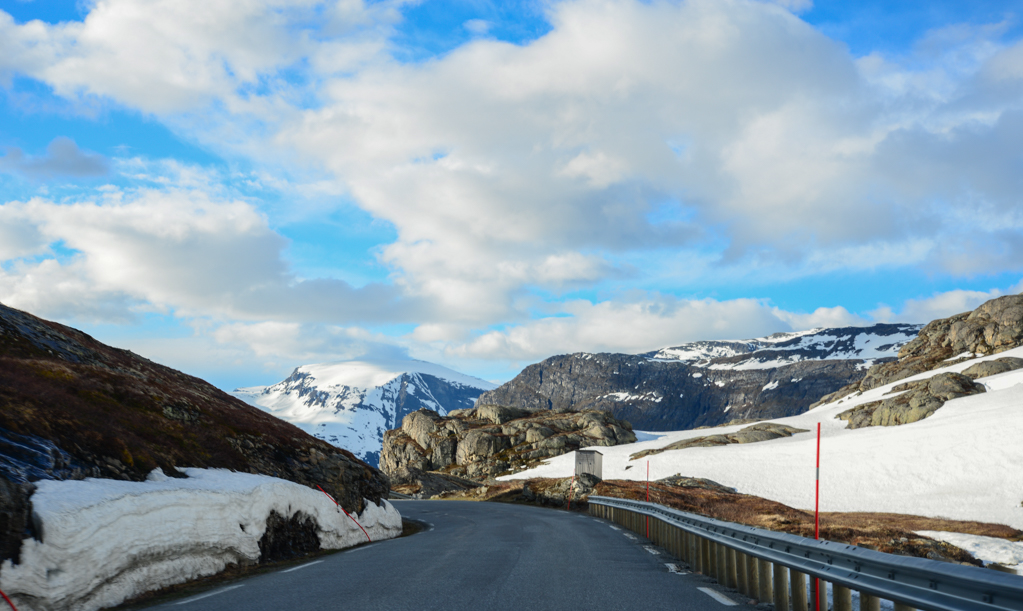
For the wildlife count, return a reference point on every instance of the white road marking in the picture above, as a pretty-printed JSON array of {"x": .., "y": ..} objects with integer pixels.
[
  {"x": 201, "y": 596},
  {"x": 652, "y": 550},
  {"x": 633, "y": 537},
  {"x": 357, "y": 549},
  {"x": 718, "y": 596},
  {"x": 302, "y": 567},
  {"x": 614, "y": 527},
  {"x": 674, "y": 568}
]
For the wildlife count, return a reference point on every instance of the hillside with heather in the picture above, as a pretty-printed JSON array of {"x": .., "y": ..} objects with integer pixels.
[{"x": 72, "y": 407}]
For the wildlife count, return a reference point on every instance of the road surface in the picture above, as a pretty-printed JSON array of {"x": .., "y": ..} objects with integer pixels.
[{"x": 477, "y": 557}]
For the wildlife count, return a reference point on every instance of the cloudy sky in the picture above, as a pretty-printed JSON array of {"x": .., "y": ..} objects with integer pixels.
[{"x": 237, "y": 187}]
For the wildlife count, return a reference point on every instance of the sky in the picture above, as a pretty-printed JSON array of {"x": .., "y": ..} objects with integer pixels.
[{"x": 238, "y": 187}]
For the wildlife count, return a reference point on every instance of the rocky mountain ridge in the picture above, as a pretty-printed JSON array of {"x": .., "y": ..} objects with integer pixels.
[
  {"x": 350, "y": 404},
  {"x": 706, "y": 383}
]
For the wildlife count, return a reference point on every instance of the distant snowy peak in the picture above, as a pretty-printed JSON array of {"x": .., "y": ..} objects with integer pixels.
[
  {"x": 351, "y": 403},
  {"x": 881, "y": 341}
]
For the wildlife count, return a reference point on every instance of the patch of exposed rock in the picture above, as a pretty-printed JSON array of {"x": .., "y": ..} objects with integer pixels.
[
  {"x": 917, "y": 401},
  {"x": 420, "y": 484},
  {"x": 491, "y": 440},
  {"x": 287, "y": 538},
  {"x": 763, "y": 431},
  {"x": 984, "y": 369}
]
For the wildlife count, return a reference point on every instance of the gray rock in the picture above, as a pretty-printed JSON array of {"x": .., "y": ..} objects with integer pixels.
[
  {"x": 499, "y": 414},
  {"x": 984, "y": 369},
  {"x": 916, "y": 401}
]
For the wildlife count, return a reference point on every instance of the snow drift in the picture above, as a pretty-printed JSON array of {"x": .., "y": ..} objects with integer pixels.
[{"x": 105, "y": 541}]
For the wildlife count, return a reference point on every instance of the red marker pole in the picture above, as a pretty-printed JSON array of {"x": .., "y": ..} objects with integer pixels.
[
  {"x": 648, "y": 497},
  {"x": 817, "y": 518},
  {"x": 346, "y": 513},
  {"x": 8, "y": 600}
]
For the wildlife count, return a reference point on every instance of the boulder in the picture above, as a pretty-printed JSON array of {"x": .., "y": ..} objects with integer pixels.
[
  {"x": 499, "y": 414},
  {"x": 984, "y": 369},
  {"x": 762, "y": 431}
]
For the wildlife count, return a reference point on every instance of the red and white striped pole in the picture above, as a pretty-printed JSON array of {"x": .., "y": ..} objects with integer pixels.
[
  {"x": 817, "y": 518},
  {"x": 346, "y": 513},
  {"x": 648, "y": 497}
]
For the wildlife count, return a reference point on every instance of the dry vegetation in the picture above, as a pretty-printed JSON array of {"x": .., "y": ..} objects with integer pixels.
[{"x": 885, "y": 532}]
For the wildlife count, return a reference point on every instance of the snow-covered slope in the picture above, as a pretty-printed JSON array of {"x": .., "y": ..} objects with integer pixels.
[
  {"x": 104, "y": 541},
  {"x": 866, "y": 343},
  {"x": 351, "y": 403},
  {"x": 963, "y": 462}
]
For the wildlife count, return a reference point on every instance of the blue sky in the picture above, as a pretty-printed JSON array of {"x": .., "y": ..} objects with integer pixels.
[{"x": 485, "y": 184}]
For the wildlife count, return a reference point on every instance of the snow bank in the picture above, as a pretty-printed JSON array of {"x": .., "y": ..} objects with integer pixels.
[
  {"x": 105, "y": 541},
  {"x": 986, "y": 549},
  {"x": 962, "y": 463}
]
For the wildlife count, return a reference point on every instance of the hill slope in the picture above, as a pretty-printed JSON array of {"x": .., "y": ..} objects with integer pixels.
[
  {"x": 351, "y": 404},
  {"x": 72, "y": 407}
]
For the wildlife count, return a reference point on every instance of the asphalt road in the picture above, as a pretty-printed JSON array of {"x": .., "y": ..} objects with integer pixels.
[{"x": 478, "y": 556}]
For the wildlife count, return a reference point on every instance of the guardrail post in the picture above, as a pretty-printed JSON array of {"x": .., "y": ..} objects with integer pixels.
[
  {"x": 842, "y": 596},
  {"x": 720, "y": 563},
  {"x": 705, "y": 563},
  {"x": 869, "y": 603},
  {"x": 798, "y": 591},
  {"x": 731, "y": 572},
  {"x": 764, "y": 579},
  {"x": 902, "y": 607},
  {"x": 781, "y": 588},
  {"x": 740, "y": 573},
  {"x": 752, "y": 577}
]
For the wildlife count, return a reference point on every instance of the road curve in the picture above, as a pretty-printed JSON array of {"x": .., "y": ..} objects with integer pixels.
[{"x": 476, "y": 556}]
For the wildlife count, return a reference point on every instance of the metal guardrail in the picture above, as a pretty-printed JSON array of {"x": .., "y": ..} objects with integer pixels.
[{"x": 736, "y": 555}]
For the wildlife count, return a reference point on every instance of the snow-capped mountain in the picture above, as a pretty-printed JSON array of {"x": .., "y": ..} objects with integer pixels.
[
  {"x": 880, "y": 341},
  {"x": 351, "y": 403},
  {"x": 707, "y": 383}
]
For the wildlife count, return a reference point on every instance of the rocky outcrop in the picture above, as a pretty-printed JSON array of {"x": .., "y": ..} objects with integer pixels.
[
  {"x": 995, "y": 326},
  {"x": 763, "y": 431},
  {"x": 490, "y": 441},
  {"x": 72, "y": 407},
  {"x": 917, "y": 401},
  {"x": 15, "y": 518},
  {"x": 705, "y": 383}
]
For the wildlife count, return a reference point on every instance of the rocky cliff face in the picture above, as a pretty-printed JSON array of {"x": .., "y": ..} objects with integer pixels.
[
  {"x": 490, "y": 441},
  {"x": 706, "y": 383},
  {"x": 71, "y": 407}
]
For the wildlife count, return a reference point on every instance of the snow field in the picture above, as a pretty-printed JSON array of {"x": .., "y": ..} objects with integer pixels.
[
  {"x": 105, "y": 541},
  {"x": 960, "y": 463}
]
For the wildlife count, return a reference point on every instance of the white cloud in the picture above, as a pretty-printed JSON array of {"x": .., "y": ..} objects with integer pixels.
[
  {"x": 180, "y": 250},
  {"x": 940, "y": 305},
  {"x": 631, "y": 327},
  {"x": 63, "y": 158}
]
